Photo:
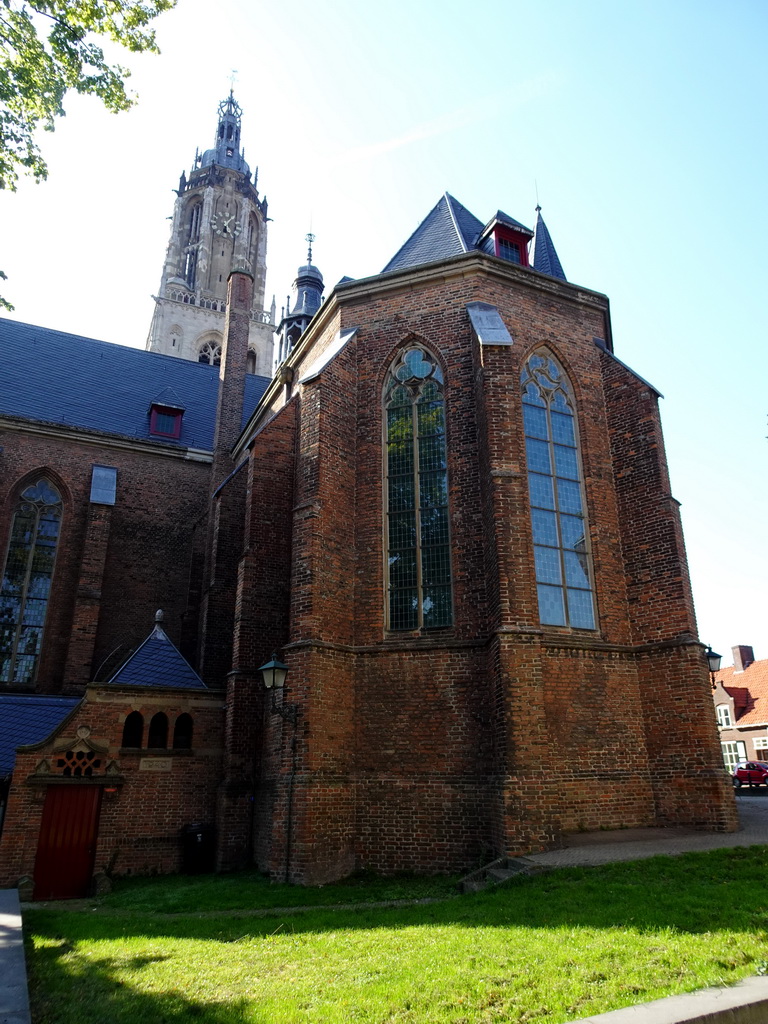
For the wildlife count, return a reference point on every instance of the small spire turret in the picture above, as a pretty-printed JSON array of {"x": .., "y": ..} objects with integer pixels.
[
  {"x": 544, "y": 256},
  {"x": 307, "y": 299}
]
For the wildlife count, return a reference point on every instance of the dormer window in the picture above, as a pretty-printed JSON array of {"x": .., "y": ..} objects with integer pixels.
[
  {"x": 724, "y": 715},
  {"x": 506, "y": 238},
  {"x": 509, "y": 250},
  {"x": 165, "y": 421}
]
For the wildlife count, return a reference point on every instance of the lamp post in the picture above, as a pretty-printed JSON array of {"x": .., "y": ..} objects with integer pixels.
[
  {"x": 273, "y": 674},
  {"x": 713, "y": 661}
]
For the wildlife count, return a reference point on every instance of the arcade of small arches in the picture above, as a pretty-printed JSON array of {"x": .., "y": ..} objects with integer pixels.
[{"x": 158, "y": 732}]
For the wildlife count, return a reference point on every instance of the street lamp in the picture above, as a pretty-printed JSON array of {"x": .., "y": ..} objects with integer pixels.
[
  {"x": 273, "y": 673},
  {"x": 713, "y": 661}
]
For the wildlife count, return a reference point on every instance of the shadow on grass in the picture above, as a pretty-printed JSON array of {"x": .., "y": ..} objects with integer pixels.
[
  {"x": 695, "y": 892},
  {"x": 720, "y": 890},
  {"x": 58, "y": 993}
]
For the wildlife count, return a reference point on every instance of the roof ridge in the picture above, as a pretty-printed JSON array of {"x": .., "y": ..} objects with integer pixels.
[{"x": 450, "y": 200}]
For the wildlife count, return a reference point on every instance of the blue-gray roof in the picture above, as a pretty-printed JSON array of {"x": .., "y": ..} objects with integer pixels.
[
  {"x": 157, "y": 663},
  {"x": 545, "y": 258},
  {"x": 448, "y": 230},
  {"x": 28, "y": 719},
  {"x": 52, "y": 377},
  {"x": 504, "y": 218}
]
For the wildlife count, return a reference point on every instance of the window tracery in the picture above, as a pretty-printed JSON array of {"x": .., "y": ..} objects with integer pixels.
[
  {"x": 210, "y": 352},
  {"x": 555, "y": 492},
  {"x": 418, "y": 571},
  {"x": 27, "y": 580}
]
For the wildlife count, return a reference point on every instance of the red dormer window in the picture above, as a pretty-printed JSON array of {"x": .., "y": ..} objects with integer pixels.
[
  {"x": 165, "y": 421},
  {"x": 511, "y": 245}
]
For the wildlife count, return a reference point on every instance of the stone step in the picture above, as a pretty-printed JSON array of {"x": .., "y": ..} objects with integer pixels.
[{"x": 497, "y": 872}]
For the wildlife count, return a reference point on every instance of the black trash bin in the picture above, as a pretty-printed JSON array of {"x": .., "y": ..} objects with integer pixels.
[{"x": 198, "y": 848}]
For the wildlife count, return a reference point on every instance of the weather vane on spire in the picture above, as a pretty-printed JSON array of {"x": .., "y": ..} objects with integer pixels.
[
  {"x": 232, "y": 80},
  {"x": 310, "y": 239}
]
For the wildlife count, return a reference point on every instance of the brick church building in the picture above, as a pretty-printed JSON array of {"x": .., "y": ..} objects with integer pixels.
[{"x": 441, "y": 503}]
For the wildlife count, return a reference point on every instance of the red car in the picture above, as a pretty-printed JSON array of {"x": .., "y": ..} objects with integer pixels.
[{"x": 752, "y": 772}]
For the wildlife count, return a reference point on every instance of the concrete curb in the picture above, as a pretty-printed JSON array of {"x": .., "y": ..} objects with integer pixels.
[
  {"x": 745, "y": 1003},
  {"x": 14, "y": 1001}
]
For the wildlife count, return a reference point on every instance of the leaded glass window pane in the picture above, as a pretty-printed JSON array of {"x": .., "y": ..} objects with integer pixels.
[
  {"x": 26, "y": 582},
  {"x": 537, "y": 453},
  {"x": 566, "y": 463},
  {"x": 548, "y": 568},
  {"x": 418, "y": 554},
  {"x": 536, "y": 422},
  {"x": 569, "y": 496},
  {"x": 572, "y": 531},
  {"x": 541, "y": 491},
  {"x": 581, "y": 610},
  {"x": 551, "y": 612},
  {"x": 576, "y": 574},
  {"x": 544, "y": 527},
  {"x": 563, "y": 570}
]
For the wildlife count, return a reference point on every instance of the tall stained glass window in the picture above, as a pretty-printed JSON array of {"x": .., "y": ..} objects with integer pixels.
[
  {"x": 417, "y": 538},
  {"x": 563, "y": 571},
  {"x": 26, "y": 582}
]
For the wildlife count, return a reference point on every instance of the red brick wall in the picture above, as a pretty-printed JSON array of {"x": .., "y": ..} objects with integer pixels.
[
  {"x": 424, "y": 751},
  {"x": 148, "y": 554},
  {"x": 139, "y": 828}
]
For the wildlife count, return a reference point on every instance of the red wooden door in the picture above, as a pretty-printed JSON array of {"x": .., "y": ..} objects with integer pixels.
[{"x": 66, "y": 846}]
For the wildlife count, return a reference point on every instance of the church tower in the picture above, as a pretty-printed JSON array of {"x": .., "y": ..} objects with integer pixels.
[{"x": 219, "y": 225}]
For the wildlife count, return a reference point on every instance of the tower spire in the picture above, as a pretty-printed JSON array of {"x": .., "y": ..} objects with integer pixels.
[
  {"x": 219, "y": 226},
  {"x": 545, "y": 258}
]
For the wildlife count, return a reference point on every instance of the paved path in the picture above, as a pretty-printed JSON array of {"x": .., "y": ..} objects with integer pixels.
[
  {"x": 14, "y": 1004},
  {"x": 639, "y": 843}
]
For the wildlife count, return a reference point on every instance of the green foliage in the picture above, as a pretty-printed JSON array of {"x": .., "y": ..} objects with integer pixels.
[
  {"x": 541, "y": 950},
  {"x": 51, "y": 47},
  {"x": 4, "y": 303}
]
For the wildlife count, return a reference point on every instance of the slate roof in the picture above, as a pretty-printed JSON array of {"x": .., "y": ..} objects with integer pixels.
[
  {"x": 751, "y": 707},
  {"x": 544, "y": 257},
  {"x": 28, "y": 719},
  {"x": 53, "y": 377},
  {"x": 158, "y": 663},
  {"x": 448, "y": 230}
]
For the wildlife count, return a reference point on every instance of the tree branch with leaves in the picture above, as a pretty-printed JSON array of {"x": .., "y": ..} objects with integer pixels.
[{"x": 51, "y": 47}]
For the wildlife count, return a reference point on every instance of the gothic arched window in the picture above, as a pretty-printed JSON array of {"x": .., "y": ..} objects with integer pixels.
[
  {"x": 253, "y": 235},
  {"x": 27, "y": 579},
  {"x": 210, "y": 352},
  {"x": 418, "y": 569},
  {"x": 558, "y": 521},
  {"x": 195, "y": 214}
]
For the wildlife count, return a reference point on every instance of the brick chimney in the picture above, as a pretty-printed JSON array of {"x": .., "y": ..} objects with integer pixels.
[
  {"x": 234, "y": 355},
  {"x": 743, "y": 657}
]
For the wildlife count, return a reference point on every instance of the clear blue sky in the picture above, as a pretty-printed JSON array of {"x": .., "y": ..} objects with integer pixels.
[{"x": 641, "y": 124}]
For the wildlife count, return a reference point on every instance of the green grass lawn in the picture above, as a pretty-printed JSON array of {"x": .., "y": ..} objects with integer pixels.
[{"x": 548, "y": 949}]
